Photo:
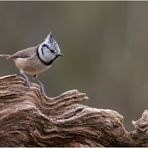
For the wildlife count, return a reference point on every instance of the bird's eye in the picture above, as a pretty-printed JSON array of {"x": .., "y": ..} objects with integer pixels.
[{"x": 52, "y": 51}]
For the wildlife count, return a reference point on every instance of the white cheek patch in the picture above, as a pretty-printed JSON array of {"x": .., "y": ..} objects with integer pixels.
[{"x": 45, "y": 54}]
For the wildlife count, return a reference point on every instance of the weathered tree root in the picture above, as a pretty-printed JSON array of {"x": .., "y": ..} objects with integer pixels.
[{"x": 29, "y": 119}]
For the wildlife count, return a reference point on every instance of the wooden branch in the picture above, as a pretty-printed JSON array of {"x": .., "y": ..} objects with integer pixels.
[{"x": 29, "y": 119}]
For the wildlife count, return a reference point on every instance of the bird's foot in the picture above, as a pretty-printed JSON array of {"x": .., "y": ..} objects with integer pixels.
[
  {"x": 28, "y": 84},
  {"x": 42, "y": 90}
]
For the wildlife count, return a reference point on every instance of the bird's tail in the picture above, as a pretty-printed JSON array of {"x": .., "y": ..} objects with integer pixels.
[{"x": 6, "y": 56}]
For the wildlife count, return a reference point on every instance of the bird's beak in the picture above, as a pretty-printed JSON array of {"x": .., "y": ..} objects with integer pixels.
[{"x": 60, "y": 55}]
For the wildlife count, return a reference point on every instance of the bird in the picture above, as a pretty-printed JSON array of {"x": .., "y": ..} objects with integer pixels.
[{"x": 35, "y": 60}]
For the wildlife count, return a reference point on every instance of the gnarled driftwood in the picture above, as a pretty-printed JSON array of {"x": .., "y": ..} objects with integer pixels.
[{"x": 29, "y": 119}]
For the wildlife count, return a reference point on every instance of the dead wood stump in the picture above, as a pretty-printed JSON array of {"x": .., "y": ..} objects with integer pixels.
[{"x": 29, "y": 119}]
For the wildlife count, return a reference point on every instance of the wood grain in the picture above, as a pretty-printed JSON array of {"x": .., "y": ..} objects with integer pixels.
[{"x": 29, "y": 119}]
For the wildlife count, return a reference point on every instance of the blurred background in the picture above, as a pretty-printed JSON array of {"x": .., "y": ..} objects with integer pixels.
[{"x": 105, "y": 47}]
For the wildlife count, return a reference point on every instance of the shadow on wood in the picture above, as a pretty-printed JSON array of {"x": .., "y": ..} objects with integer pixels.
[{"x": 29, "y": 119}]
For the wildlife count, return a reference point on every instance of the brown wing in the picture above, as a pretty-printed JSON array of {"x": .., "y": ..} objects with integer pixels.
[{"x": 24, "y": 53}]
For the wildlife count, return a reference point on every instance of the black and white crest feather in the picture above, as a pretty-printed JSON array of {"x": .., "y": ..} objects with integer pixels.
[{"x": 49, "y": 50}]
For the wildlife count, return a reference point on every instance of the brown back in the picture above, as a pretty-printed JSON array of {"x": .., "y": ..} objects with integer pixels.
[{"x": 24, "y": 53}]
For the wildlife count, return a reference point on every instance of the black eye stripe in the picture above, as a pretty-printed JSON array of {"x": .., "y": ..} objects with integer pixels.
[
  {"x": 44, "y": 45},
  {"x": 51, "y": 50}
]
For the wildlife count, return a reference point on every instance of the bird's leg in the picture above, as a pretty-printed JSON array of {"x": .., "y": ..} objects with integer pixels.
[
  {"x": 26, "y": 78},
  {"x": 41, "y": 84}
]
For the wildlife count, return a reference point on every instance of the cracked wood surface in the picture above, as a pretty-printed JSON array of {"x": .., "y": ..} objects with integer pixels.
[{"x": 29, "y": 119}]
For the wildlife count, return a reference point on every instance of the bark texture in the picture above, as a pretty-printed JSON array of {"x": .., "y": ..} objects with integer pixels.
[{"x": 29, "y": 119}]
